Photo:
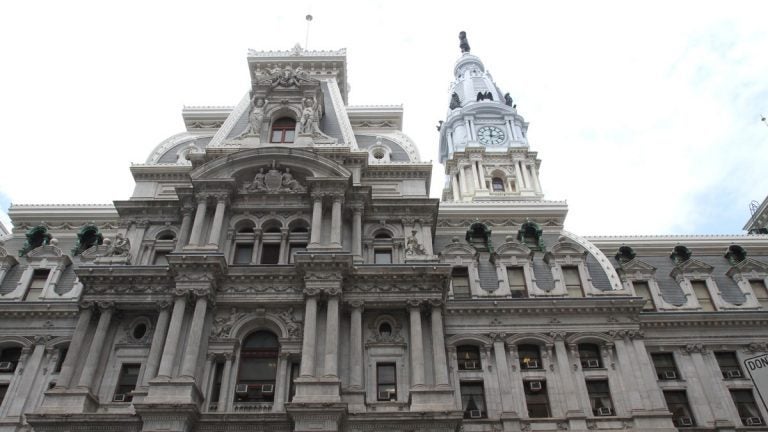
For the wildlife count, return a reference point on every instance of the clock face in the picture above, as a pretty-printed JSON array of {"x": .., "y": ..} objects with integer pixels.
[{"x": 490, "y": 135}]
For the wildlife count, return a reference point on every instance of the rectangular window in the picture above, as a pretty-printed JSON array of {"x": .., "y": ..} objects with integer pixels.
[
  {"x": 677, "y": 404},
  {"x": 729, "y": 365},
  {"x": 536, "y": 399},
  {"x": 643, "y": 289},
  {"x": 295, "y": 247},
  {"x": 665, "y": 366},
  {"x": 243, "y": 253},
  {"x": 516, "y": 278},
  {"x": 386, "y": 382},
  {"x": 468, "y": 357},
  {"x": 218, "y": 370},
  {"x": 60, "y": 361},
  {"x": 270, "y": 253},
  {"x": 37, "y": 284},
  {"x": 126, "y": 382},
  {"x": 572, "y": 281},
  {"x": 600, "y": 398},
  {"x": 382, "y": 256},
  {"x": 761, "y": 292},
  {"x": 160, "y": 258},
  {"x": 747, "y": 408},
  {"x": 295, "y": 369},
  {"x": 460, "y": 282},
  {"x": 3, "y": 391},
  {"x": 702, "y": 295},
  {"x": 473, "y": 400},
  {"x": 9, "y": 358}
]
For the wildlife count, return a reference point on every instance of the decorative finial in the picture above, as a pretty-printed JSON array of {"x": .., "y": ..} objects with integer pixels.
[{"x": 463, "y": 44}]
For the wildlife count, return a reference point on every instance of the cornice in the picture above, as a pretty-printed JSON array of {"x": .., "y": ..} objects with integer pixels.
[
  {"x": 700, "y": 244},
  {"x": 536, "y": 306},
  {"x": 704, "y": 319}
]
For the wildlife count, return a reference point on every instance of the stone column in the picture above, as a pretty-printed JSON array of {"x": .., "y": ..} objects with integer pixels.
[
  {"x": 28, "y": 370},
  {"x": 417, "y": 344},
  {"x": 284, "y": 249},
  {"x": 317, "y": 219},
  {"x": 566, "y": 380},
  {"x": 357, "y": 231},
  {"x": 438, "y": 345},
  {"x": 475, "y": 180},
  {"x": 502, "y": 370},
  {"x": 455, "y": 187},
  {"x": 158, "y": 339},
  {"x": 655, "y": 395},
  {"x": 356, "y": 346},
  {"x": 628, "y": 370},
  {"x": 463, "y": 181},
  {"x": 526, "y": 175},
  {"x": 281, "y": 382},
  {"x": 509, "y": 129},
  {"x": 256, "y": 255},
  {"x": 519, "y": 176},
  {"x": 186, "y": 222},
  {"x": 336, "y": 220},
  {"x": 481, "y": 175},
  {"x": 194, "y": 337},
  {"x": 172, "y": 339},
  {"x": 310, "y": 332},
  {"x": 332, "y": 335},
  {"x": 218, "y": 220},
  {"x": 535, "y": 175},
  {"x": 76, "y": 346},
  {"x": 470, "y": 132},
  {"x": 197, "y": 226},
  {"x": 224, "y": 391},
  {"x": 97, "y": 345}
]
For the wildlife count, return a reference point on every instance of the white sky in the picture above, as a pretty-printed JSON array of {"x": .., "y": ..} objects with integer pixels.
[{"x": 645, "y": 114}]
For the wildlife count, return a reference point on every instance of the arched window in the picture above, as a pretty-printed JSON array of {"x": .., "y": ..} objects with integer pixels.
[
  {"x": 283, "y": 130},
  {"x": 589, "y": 354},
  {"x": 9, "y": 358},
  {"x": 530, "y": 356},
  {"x": 258, "y": 368},
  {"x": 382, "y": 248},
  {"x": 270, "y": 243},
  {"x": 244, "y": 242},
  {"x": 497, "y": 184},
  {"x": 298, "y": 238},
  {"x": 468, "y": 357},
  {"x": 165, "y": 242}
]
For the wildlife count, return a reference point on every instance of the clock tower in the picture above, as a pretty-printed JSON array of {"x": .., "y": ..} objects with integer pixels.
[{"x": 483, "y": 140}]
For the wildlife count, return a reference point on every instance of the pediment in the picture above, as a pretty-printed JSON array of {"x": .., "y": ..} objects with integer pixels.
[
  {"x": 565, "y": 246},
  {"x": 301, "y": 163},
  {"x": 692, "y": 266},
  {"x": 637, "y": 265},
  {"x": 458, "y": 249},
  {"x": 513, "y": 248},
  {"x": 748, "y": 265}
]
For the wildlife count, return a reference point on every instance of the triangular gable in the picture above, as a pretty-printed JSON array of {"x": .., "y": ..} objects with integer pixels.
[
  {"x": 748, "y": 265},
  {"x": 636, "y": 265}
]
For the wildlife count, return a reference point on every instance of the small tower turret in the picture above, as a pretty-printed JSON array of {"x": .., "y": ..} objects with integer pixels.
[{"x": 483, "y": 140}]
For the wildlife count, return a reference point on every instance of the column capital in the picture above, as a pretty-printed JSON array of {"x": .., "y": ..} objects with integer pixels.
[
  {"x": 85, "y": 304},
  {"x": 162, "y": 305},
  {"x": 211, "y": 356},
  {"x": 557, "y": 335},
  {"x": 41, "y": 339},
  {"x": 106, "y": 306},
  {"x": 435, "y": 303},
  {"x": 228, "y": 356},
  {"x": 187, "y": 211},
  {"x": 333, "y": 292},
  {"x": 357, "y": 304},
  {"x": 413, "y": 304},
  {"x": 317, "y": 196},
  {"x": 202, "y": 198},
  {"x": 356, "y": 206},
  {"x": 498, "y": 337},
  {"x": 311, "y": 292}
]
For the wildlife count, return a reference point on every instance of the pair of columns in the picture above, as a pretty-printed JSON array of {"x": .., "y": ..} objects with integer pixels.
[
  {"x": 417, "y": 344},
  {"x": 173, "y": 336},
  {"x": 337, "y": 200},
  {"x": 196, "y": 237},
  {"x": 94, "y": 351},
  {"x": 310, "y": 334}
]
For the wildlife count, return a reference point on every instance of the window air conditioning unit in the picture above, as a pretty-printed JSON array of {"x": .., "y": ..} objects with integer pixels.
[
  {"x": 685, "y": 421},
  {"x": 267, "y": 389},
  {"x": 593, "y": 364},
  {"x": 241, "y": 389},
  {"x": 734, "y": 373},
  {"x": 6, "y": 366},
  {"x": 604, "y": 412},
  {"x": 535, "y": 385},
  {"x": 532, "y": 364},
  {"x": 475, "y": 414},
  {"x": 120, "y": 397},
  {"x": 753, "y": 421},
  {"x": 384, "y": 395},
  {"x": 470, "y": 365},
  {"x": 670, "y": 375}
]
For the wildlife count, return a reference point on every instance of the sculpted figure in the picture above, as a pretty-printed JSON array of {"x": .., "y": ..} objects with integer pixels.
[
  {"x": 291, "y": 183},
  {"x": 258, "y": 182},
  {"x": 508, "y": 100},
  {"x": 455, "y": 101},
  {"x": 307, "y": 116},
  {"x": 121, "y": 246},
  {"x": 412, "y": 245}
]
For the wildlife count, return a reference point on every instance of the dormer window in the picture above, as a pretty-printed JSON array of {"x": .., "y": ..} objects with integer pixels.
[{"x": 283, "y": 130}]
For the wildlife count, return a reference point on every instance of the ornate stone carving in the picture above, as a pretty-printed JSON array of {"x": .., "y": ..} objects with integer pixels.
[
  {"x": 695, "y": 348},
  {"x": 412, "y": 245},
  {"x": 222, "y": 324},
  {"x": 757, "y": 347},
  {"x": 255, "y": 119},
  {"x": 286, "y": 77},
  {"x": 292, "y": 325},
  {"x": 274, "y": 181},
  {"x": 121, "y": 246}
]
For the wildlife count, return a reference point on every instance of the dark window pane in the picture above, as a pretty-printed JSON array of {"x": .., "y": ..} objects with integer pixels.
[
  {"x": 243, "y": 253},
  {"x": 473, "y": 400},
  {"x": 382, "y": 256},
  {"x": 270, "y": 253}
]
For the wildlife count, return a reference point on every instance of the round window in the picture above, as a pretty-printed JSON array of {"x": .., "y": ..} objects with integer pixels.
[
  {"x": 379, "y": 154},
  {"x": 139, "y": 330}
]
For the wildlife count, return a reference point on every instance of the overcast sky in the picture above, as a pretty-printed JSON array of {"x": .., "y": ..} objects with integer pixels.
[{"x": 646, "y": 115}]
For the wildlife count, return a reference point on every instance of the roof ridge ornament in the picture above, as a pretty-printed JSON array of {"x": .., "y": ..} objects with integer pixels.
[{"x": 463, "y": 43}]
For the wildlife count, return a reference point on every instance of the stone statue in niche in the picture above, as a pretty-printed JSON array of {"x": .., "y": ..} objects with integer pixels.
[
  {"x": 121, "y": 246},
  {"x": 412, "y": 245},
  {"x": 307, "y": 121},
  {"x": 255, "y": 119}
]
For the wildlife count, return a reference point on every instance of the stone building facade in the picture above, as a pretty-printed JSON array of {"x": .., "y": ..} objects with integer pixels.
[{"x": 280, "y": 266}]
